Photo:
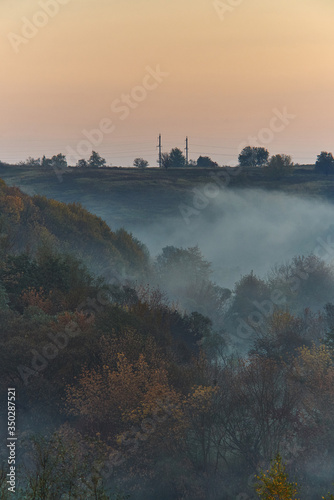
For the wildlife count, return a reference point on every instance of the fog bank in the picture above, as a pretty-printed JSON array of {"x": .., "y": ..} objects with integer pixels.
[{"x": 244, "y": 230}]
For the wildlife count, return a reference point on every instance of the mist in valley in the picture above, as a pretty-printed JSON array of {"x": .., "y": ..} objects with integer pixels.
[
  {"x": 245, "y": 230},
  {"x": 224, "y": 301},
  {"x": 166, "y": 281}
]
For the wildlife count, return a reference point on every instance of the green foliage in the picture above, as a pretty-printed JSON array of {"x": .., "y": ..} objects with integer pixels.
[
  {"x": 82, "y": 163},
  {"x": 329, "y": 335},
  {"x": 140, "y": 163},
  {"x": 185, "y": 275},
  {"x": 132, "y": 251},
  {"x": 96, "y": 161},
  {"x": 304, "y": 282},
  {"x": 123, "y": 295},
  {"x": 253, "y": 156},
  {"x": 62, "y": 466},
  {"x": 89, "y": 236},
  {"x": 248, "y": 289},
  {"x": 176, "y": 158},
  {"x": 59, "y": 276},
  {"x": 4, "y": 299},
  {"x": 32, "y": 162},
  {"x": 183, "y": 265},
  {"x": 255, "y": 404},
  {"x": 205, "y": 161},
  {"x": 325, "y": 163},
  {"x": 280, "y": 166},
  {"x": 58, "y": 162},
  {"x": 46, "y": 162}
]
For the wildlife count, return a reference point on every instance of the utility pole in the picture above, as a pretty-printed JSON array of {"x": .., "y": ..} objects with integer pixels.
[
  {"x": 187, "y": 151},
  {"x": 160, "y": 152}
]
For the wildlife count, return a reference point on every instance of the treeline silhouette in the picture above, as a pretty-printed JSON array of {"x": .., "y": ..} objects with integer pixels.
[{"x": 277, "y": 165}]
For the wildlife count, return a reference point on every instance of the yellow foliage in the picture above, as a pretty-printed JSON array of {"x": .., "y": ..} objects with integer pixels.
[
  {"x": 314, "y": 371},
  {"x": 315, "y": 366},
  {"x": 274, "y": 484},
  {"x": 13, "y": 207},
  {"x": 127, "y": 393},
  {"x": 280, "y": 320},
  {"x": 200, "y": 400}
]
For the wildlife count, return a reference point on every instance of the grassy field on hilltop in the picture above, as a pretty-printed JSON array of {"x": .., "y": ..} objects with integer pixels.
[{"x": 133, "y": 195}]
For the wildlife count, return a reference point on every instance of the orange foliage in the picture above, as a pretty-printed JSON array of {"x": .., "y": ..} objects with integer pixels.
[
  {"x": 79, "y": 318},
  {"x": 314, "y": 369},
  {"x": 108, "y": 397},
  {"x": 13, "y": 207},
  {"x": 37, "y": 298}
]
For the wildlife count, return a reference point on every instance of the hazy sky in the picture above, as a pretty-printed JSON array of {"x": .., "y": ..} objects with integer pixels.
[{"x": 230, "y": 64}]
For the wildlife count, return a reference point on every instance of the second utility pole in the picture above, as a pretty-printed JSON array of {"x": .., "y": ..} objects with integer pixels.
[
  {"x": 187, "y": 151},
  {"x": 160, "y": 152}
]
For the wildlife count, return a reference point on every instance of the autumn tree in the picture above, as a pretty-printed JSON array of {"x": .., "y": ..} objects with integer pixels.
[
  {"x": 117, "y": 393},
  {"x": 313, "y": 371},
  {"x": 274, "y": 484},
  {"x": 282, "y": 334}
]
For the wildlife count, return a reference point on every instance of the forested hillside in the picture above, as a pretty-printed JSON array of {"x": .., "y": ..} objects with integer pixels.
[
  {"x": 118, "y": 194},
  {"x": 151, "y": 381},
  {"x": 35, "y": 224}
]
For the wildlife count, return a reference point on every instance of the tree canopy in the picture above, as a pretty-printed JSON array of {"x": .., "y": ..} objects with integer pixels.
[
  {"x": 279, "y": 166},
  {"x": 96, "y": 161},
  {"x": 205, "y": 161},
  {"x": 253, "y": 156},
  {"x": 325, "y": 163},
  {"x": 140, "y": 163},
  {"x": 174, "y": 159}
]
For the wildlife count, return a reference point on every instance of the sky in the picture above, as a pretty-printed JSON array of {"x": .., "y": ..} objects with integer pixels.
[{"x": 110, "y": 75}]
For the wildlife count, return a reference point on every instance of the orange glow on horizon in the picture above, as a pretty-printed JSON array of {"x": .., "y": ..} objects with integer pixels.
[{"x": 225, "y": 75}]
